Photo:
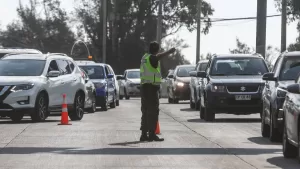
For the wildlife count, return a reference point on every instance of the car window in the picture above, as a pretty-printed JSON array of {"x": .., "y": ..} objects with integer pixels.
[
  {"x": 72, "y": 66},
  {"x": 53, "y": 66},
  {"x": 106, "y": 70},
  {"x": 184, "y": 71},
  {"x": 133, "y": 74},
  {"x": 290, "y": 68},
  {"x": 85, "y": 76},
  {"x": 21, "y": 67},
  {"x": 64, "y": 67},
  {"x": 94, "y": 72},
  {"x": 2, "y": 54},
  {"x": 238, "y": 66},
  {"x": 202, "y": 67}
]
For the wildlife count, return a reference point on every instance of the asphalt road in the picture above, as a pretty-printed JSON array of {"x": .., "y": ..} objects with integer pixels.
[{"x": 110, "y": 140}]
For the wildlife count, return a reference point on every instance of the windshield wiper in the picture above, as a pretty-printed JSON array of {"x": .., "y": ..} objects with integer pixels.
[
  {"x": 218, "y": 74},
  {"x": 244, "y": 74}
]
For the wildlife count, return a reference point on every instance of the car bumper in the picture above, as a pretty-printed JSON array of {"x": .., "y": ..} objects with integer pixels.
[
  {"x": 182, "y": 93},
  {"x": 134, "y": 90},
  {"x": 100, "y": 100},
  {"x": 226, "y": 103}
]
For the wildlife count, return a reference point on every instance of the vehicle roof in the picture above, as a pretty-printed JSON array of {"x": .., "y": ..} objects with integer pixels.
[
  {"x": 84, "y": 61},
  {"x": 19, "y": 50},
  {"x": 187, "y": 65},
  {"x": 237, "y": 56},
  {"x": 292, "y": 54},
  {"x": 132, "y": 70},
  {"x": 89, "y": 64},
  {"x": 203, "y": 61},
  {"x": 37, "y": 56}
]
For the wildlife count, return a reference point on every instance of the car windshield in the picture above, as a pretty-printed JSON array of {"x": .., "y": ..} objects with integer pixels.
[
  {"x": 184, "y": 71},
  {"x": 290, "y": 68},
  {"x": 94, "y": 72},
  {"x": 133, "y": 74},
  {"x": 238, "y": 66},
  {"x": 21, "y": 67}
]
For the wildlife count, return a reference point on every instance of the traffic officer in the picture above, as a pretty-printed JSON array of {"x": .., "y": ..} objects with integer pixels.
[{"x": 150, "y": 85}]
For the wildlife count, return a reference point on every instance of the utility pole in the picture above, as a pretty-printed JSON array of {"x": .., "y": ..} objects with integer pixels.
[
  {"x": 104, "y": 31},
  {"x": 159, "y": 22},
  {"x": 261, "y": 26},
  {"x": 283, "y": 25},
  {"x": 199, "y": 4}
]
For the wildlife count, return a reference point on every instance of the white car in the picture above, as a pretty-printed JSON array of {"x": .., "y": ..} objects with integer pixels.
[
  {"x": 131, "y": 84},
  {"x": 33, "y": 84}
]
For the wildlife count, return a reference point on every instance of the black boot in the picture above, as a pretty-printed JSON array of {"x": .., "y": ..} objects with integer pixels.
[
  {"x": 144, "y": 136},
  {"x": 154, "y": 137}
]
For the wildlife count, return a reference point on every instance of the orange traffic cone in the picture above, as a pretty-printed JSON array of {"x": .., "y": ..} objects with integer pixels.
[
  {"x": 64, "y": 114},
  {"x": 157, "y": 131}
]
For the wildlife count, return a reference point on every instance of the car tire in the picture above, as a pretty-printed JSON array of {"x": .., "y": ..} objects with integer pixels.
[
  {"x": 77, "y": 111},
  {"x": 192, "y": 105},
  {"x": 265, "y": 128},
  {"x": 121, "y": 97},
  {"x": 40, "y": 112},
  {"x": 16, "y": 117},
  {"x": 202, "y": 112},
  {"x": 117, "y": 103},
  {"x": 209, "y": 114},
  {"x": 289, "y": 151},
  {"x": 197, "y": 103},
  {"x": 113, "y": 103},
  {"x": 170, "y": 100},
  {"x": 274, "y": 132},
  {"x": 93, "y": 109},
  {"x": 126, "y": 96}
]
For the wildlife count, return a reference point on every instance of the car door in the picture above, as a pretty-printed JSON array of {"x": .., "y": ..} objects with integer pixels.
[
  {"x": 68, "y": 83},
  {"x": 202, "y": 67},
  {"x": 204, "y": 82},
  {"x": 115, "y": 82},
  {"x": 193, "y": 84},
  {"x": 110, "y": 84},
  {"x": 54, "y": 86}
]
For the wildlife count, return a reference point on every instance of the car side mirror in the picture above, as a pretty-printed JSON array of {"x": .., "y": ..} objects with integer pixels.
[
  {"x": 53, "y": 73},
  {"x": 171, "y": 76},
  {"x": 110, "y": 76},
  {"x": 86, "y": 80},
  {"x": 193, "y": 73},
  {"x": 120, "y": 77},
  {"x": 294, "y": 88},
  {"x": 269, "y": 77},
  {"x": 201, "y": 74}
]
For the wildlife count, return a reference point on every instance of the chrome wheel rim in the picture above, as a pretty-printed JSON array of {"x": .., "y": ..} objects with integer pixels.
[
  {"x": 79, "y": 106},
  {"x": 42, "y": 108}
]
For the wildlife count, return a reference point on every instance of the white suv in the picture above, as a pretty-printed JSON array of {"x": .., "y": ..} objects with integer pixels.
[{"x": 33, "y": 84}]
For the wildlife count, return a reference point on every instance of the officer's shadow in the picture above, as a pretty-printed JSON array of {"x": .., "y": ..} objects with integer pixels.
[{"x": 128, "y": 143}]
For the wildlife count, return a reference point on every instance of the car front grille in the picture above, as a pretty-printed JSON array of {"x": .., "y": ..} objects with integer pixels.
[{"x": 243, "y": 88}]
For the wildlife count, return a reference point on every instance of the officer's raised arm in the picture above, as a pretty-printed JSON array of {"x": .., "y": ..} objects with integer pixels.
[{"x": 161, "y": 55}]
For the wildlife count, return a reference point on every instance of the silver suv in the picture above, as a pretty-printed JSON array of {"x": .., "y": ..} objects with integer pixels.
[{"x": 33, "y": 84}]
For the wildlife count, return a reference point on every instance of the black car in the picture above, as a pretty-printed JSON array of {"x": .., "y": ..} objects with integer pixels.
[
  {"x": 284, "y": 73},
  {"x": 232, "y": 84},
  {"x": 291, "y": 121}
]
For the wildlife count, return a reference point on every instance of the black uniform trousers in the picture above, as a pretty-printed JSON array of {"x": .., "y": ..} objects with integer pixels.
[{"x": 150, "y": 107}]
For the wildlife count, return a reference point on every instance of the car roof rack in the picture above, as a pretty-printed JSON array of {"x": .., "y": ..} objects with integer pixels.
[
  {"x": 10, "y": 54},
  {"x": 53, "y": 54}
]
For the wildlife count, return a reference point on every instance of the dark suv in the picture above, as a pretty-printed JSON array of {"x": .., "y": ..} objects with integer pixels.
[
  {"x": 232, "y": 84},
  {"x": 284, "y": 73}
]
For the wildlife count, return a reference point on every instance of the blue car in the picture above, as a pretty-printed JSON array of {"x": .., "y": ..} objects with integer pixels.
[{"x": 104, "y": 80}]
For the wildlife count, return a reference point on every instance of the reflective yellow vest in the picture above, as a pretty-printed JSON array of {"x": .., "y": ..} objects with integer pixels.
[{"x": 148, "y": 73}]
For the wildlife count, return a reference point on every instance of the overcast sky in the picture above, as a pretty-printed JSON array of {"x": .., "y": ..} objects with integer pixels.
[{"x": 222, "y": 35}]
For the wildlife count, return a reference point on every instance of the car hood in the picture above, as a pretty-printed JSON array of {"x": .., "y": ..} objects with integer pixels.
[
  {"x": 135, "y": 81},
  {"x": 98, "y": 80},
  {"x": 183, "y": 79},
  {"x": 15, "y": 80},
  {"x": 237, "y": 80},
  {"x": 284, "y": 84}
]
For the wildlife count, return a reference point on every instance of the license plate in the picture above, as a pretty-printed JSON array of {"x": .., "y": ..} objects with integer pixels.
[{"x": 243, "y": 97}]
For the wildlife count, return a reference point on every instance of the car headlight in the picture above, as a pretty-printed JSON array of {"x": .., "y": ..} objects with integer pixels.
[
  {"x": 99, "y": 85},
  {"x": 280, "y": 93},
  {"x": 216, "y": 88},
  {"x": 179, "y": 84},
  {"x": 22, "y": 87}
]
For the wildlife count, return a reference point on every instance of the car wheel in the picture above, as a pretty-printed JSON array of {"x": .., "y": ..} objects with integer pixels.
[
  {"x": 202, "y": 111},
  {"x": 16, "y": 116},
  {"x": 298, "y": 144},
  {"x": 265, "y": 128},
  {"x": 40, "y": 109},
  {"x": 192, "y": 105},
  {"x": 78, "y": 110},
  {"x": 289, "y": 151},
  {"x": 113, "y": 103},
  {"x": 126, "y": 96},
  {"x": 170, "y": 100},
  {"x": 197, "y": 103},
  {"x": 121, "y": 97},
  {"x": 209, "y": 114},
  {"x": 274, "y": 133},
  {"x": 117, "y": 103}
]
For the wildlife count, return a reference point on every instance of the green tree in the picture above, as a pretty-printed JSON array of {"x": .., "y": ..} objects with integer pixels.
[
  {"x": 132, "y": 25},
  {"x": 47, "y": 31},
  {"x": 241, "y": 48}
]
